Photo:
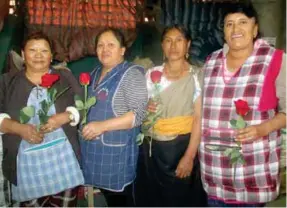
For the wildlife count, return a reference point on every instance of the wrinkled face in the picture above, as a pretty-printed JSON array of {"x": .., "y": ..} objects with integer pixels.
[
  {"x": 109, "y": 50},
  {"x": 174, "y": 45},
  {"x": 239, "y": 31},
  {"x": 37, "y": 55}
]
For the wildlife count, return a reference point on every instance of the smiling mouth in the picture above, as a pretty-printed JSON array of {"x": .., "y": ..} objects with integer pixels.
[{"x": 236, "y": 36}]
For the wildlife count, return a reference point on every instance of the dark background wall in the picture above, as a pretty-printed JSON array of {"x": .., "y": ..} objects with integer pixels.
[
  {"x": 272, "y": 19},
  {"x": 203, "y": 20}
]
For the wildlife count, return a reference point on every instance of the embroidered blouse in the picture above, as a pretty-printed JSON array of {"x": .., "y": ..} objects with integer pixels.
[{"x": 164, "y": 83}]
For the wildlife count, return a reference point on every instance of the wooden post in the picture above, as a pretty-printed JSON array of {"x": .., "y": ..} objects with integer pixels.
[{"x": 90, "y": 196}]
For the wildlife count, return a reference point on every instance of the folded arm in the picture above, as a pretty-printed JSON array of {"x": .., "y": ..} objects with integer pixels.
[{"x": 132, "y": 94}]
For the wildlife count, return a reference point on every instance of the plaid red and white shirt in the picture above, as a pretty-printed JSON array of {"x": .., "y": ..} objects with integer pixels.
[{"x": 257, "y": 181}]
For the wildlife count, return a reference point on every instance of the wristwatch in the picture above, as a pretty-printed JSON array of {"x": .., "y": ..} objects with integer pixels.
[{"x": 71, "y": 117}]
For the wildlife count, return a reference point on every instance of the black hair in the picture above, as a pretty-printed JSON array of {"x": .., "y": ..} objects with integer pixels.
[
  {"x": 116, "y": 32},
  {"x": 178, "y": 27},
  {"x": 37, "y": 35},
  {"x": 246, "y": 8}
]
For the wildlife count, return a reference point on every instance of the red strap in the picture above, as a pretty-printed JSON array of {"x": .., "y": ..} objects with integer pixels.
[{"x": 268, "y": 98}]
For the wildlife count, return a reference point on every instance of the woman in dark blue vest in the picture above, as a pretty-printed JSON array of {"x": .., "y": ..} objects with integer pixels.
[{"x": 109, "y": 149}]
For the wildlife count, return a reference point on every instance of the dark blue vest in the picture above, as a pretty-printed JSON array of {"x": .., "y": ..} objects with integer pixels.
[{"x": 109, "y": 161}]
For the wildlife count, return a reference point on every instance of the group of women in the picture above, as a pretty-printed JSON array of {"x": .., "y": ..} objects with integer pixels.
[{"x": 190, "y": 109}]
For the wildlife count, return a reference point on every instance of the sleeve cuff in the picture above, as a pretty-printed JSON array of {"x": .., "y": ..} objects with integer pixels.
[
  {"x": 2, "y": 116},
  {"x": 197, "y": 92},
  {"x": 76, "y": 115}
]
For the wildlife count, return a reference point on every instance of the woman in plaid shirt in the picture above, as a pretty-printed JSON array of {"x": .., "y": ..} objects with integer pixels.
[{"x": 251, "y": 70}]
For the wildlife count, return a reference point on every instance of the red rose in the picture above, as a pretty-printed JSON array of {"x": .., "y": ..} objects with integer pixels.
[
  {"x": 156, "y": 76},
  {"x": 85, "y": 78},
  {"x": 49, "y": 79},
  {"x": 242, "y": 107}
]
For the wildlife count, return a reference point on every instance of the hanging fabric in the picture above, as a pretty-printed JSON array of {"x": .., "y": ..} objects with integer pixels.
[
  {"x": 74, "y": 24},
  {"x": 4, "y": 10}
]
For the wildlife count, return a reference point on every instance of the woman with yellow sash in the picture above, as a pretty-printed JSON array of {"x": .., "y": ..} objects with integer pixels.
[{"x": 168, "y": 171}]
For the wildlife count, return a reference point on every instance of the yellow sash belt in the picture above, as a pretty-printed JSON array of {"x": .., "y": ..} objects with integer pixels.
[{"x": 173, "y": 126}]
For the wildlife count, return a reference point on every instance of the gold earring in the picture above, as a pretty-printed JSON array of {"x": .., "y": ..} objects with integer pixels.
[{"x": 186, "y": 55}]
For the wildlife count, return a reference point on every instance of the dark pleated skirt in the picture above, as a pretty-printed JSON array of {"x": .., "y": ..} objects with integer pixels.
[{"x": 156, "y": 183}]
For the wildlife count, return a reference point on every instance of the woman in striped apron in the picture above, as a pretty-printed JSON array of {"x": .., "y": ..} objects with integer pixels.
[
  {"x": 109, "y": 149},
  {"x": 248, "y": 68}
]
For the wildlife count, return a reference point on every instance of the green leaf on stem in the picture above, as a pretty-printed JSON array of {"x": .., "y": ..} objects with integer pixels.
[
  {"x": 26, "y": 114},
  {"x": 233, "y": 123},
  {"x": 235, "y": 153},
  {"x": 44, "y": 106},
  {"x": 79, "y": 104},
  {"x": 139, "y": 139},
  {"x": 157, "y": 88},
  {"x": 241, "y": 160},
  {"x": 23, "y": 118},
  {"x": 90, "y": 102},
  {"x": 234, "y": 161},
  {"x": 146, "y": 125},
  {"x": 84, "y": 120},
  {"x": 52, "y": 93},
  {"x": 240, "y": 124},
  {"x": 155, "y": 116},
  {"x": 42, "y": 117},
  {"x": 227, "y": 152},
  {"x": 29, "y": 111}
]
